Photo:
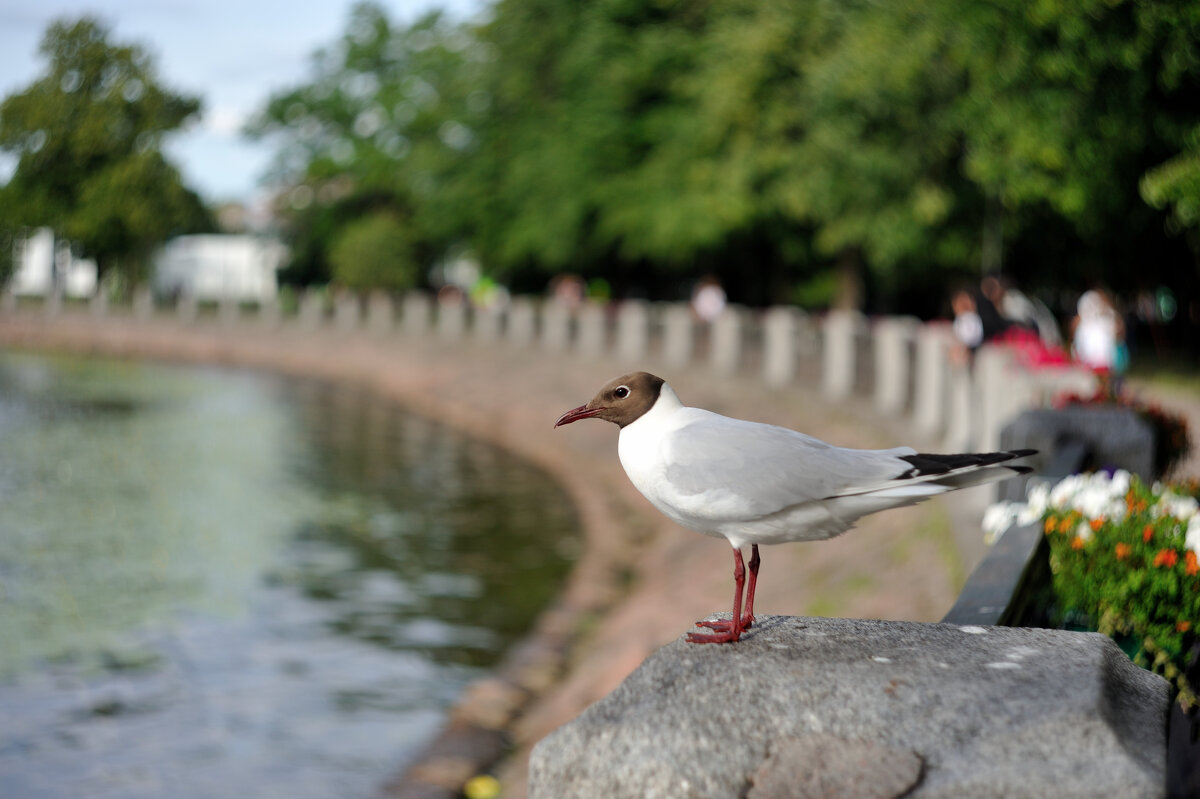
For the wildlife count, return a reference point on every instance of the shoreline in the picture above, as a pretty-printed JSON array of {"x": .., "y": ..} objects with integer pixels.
[{"x": 639, "y": 581}]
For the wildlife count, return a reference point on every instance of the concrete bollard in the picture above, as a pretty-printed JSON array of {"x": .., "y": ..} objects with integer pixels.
[
  {"x": 556, "y": 327},
  {"x": 679, "y": 334},
  {"x": 991, "y": 372},
  {"x": 931, "y": 378},
  {"x": 452, "y": 320},
  {"x": 522, "y": 322},
  {"x": 725, "y": 353},
  {"x": 593, "y": 330},
  {"x": 98, "y": 304},
  {"x": 270, "y": 312},
  {"x": 312, "y": 309},
  {"x": 893, "y": 362},
  {"x": 381, "y": 312},
  {"x": 960, "y": 410},
  {"x": 779, "y": 345},
  {"x": 54, "y": 302},
  {"x": 633, "y": 332},
  {"x": 417, "y": 311},
  {"x": 488, "y": 323},
  {"x": 186, "y": 309},
  {"x": 228, "y": 311},
  {"x": 143, "y": 303},
  {"x": 839, "y": 354},
  {"x": 347, "y": 311}
]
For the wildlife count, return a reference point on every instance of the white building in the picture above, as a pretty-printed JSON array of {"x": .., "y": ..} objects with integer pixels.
[
  {"x": 215, "y": 267},
  {"x": 45, "y": 264}
]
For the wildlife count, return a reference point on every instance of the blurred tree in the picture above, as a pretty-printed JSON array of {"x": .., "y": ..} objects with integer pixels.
[
  {"x": 1176, "y": 183},
  {"x": 382, "y": 126},
  {"x": 374, "y": 252},
  {"x": 88, "y": 136},
  {"x": 1065, "y": 114},
  {"x": 801, "y": 149}
]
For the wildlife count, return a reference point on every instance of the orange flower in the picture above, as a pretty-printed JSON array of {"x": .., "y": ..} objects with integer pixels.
[
  {"x": 1065, "y": 523},
  {"x": 1191, "y": 566},
  {"x": 1076, "y": 543},
  {"x": 1049, "y": 525},
  {"x": 1123, "y": 551},
  {"x": 1166, "y": 557},
  {"x": 1183, "y": 626},
  {"x": 1147, "y": 532},
  {"x": 1097, "y": 524}
]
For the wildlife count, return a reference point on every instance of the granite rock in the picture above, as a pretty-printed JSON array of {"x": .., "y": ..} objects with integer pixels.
[{"x": 985, "y": 711}]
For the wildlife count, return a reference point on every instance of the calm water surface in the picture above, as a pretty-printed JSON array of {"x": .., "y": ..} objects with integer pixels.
[{"x": 215, "y": 583}]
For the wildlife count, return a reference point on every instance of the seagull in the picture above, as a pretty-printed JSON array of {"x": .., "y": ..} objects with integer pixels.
[{"x": 754, "y": 483}]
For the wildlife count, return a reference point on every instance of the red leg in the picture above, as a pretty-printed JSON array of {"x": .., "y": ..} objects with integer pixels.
[
  {"x": 748, "y": 618},
  {"x": 726, "y": 632}
]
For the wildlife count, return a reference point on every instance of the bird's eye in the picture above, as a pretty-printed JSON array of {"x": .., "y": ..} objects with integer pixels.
[{"x": 621, "y": 392}]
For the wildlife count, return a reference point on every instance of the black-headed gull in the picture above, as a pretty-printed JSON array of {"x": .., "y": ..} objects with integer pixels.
[{"x": 755, "y": 483}]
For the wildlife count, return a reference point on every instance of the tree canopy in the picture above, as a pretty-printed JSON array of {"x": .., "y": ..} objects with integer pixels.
[
  {"x": 772, "y": 143},
  {"x": 87, "y": 135}
]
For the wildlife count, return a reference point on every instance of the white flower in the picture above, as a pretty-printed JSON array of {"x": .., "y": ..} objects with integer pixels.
[
  {"x": 1182, "y": 508},
  {"x": 998, "y": 518},
  {"x": 1119, "y": 486},
  {"x": 1193, "y": 534},
  {"x": 1037, "y": 498},
  {"x": 1062, "y": 493},
  {"x": 1083, "y": 531},
  {"x": 1093, "y": 501}
]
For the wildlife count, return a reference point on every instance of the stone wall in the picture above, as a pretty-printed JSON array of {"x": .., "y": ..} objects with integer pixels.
[{"x": 903, "y": 365}]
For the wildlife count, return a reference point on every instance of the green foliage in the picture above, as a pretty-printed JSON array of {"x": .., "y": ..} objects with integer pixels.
[
  {"x": 87, "y": 135},
  {"x": 1176, "y": 184},
  {"x": 374, "y": 252},
  {"x": 1134, "y": 574},
  {"x": 383, "y": 124},
  {"x": 763, "y": 141}
]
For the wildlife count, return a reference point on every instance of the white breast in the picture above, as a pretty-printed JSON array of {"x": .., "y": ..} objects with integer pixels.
[{"x": 641, "y": 446}]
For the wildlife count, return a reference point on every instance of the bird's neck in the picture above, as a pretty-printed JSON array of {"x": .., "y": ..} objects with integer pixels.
[{"x": 658, "y": 418}]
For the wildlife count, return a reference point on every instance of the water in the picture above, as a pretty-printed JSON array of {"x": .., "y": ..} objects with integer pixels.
[{"x": 217, "y": 583}]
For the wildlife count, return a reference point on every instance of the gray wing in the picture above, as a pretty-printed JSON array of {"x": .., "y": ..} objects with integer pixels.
[{"x": 761, "y": 469}]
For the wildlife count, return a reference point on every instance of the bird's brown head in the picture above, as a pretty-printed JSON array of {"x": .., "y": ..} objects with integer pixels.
[{"x": 621, "y": 401}]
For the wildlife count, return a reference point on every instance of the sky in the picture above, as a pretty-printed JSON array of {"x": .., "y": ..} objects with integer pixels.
[{"x": 231, "y": 53}]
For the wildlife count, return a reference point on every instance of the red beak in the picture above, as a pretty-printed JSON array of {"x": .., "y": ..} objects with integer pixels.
[{"x": 575, "y": 414}]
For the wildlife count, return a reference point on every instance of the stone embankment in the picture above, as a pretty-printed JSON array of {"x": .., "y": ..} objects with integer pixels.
[{"x": 640, "y": 581}]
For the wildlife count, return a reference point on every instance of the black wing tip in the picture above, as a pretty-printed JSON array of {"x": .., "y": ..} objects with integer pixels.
[{"x": 931, "y": 464}]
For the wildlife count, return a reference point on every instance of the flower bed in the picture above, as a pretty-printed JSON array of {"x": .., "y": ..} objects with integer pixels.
[{"x": 1124, "y": 559}]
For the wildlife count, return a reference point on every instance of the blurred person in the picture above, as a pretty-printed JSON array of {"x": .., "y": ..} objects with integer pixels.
[
  {"x": 1016, "y": 307},
  {"x": 450, "y": 295},
  {"x": 976, "y": 320},
  {"x": 968, "y": 326},
  {"x": 567, "y": 290},
  {"x": 708, "y": 299},
  {"x": 1098, "y": 333}
]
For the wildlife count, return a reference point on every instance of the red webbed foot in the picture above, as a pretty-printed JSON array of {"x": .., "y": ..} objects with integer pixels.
[
  {"x": 725, "y": 624},
  {"x": 724, "y": 637}
]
